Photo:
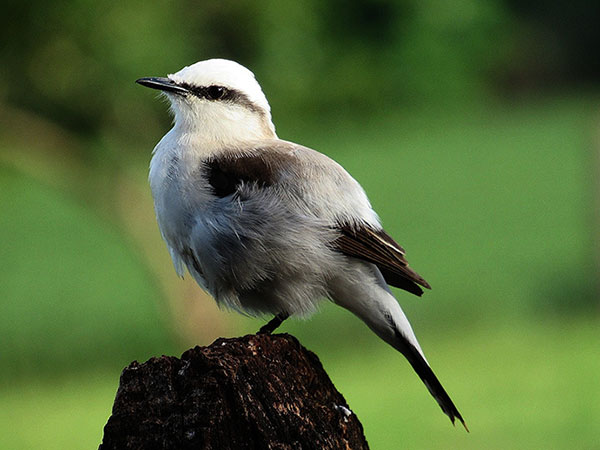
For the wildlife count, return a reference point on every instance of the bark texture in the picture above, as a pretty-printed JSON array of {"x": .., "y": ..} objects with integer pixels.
[{"x": 254, "y": 392}]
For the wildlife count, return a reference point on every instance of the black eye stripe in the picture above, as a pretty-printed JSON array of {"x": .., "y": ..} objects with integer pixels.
[
  {"x": 227, "y": 95},
  {"x": 212, "y": 92}
]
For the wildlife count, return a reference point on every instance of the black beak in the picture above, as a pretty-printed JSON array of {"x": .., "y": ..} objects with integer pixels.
[{"x": 162, "y": 84}]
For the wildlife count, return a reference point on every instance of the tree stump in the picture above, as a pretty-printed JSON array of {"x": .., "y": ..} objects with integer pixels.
[{"x": 254, "y": 392}]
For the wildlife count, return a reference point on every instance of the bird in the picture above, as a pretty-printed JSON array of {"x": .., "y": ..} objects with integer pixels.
[{"x": 269, "y": 227}]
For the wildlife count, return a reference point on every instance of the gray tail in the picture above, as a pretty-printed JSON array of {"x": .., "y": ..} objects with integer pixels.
[{"x": 434, "y": 386}]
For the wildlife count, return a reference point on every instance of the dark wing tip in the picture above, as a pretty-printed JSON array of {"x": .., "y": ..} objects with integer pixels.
[
  {"x": 415, "y": 277},
  {"x": 378, "y": 247},
  {"x": 400, "y": 281}
]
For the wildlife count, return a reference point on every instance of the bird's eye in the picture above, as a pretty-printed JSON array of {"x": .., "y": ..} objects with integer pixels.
[{"x": 215, "y": 92}]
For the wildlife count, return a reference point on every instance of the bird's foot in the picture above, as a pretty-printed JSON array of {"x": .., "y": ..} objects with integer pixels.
[{"x": 273, "y": 324}]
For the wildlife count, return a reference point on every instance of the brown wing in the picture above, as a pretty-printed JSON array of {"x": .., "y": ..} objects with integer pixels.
[{"x": 377, "y": 247}]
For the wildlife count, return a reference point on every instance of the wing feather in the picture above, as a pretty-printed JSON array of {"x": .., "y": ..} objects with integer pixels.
[
  {"x": 264, "y": 167},
  {"x": 378, "y": 247}
]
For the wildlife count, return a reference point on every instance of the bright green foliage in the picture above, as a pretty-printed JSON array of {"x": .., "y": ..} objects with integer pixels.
[{"x": 73, "y": 292}]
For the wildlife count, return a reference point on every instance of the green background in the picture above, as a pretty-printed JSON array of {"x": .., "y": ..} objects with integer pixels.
[{"x": 473, "y": 126}]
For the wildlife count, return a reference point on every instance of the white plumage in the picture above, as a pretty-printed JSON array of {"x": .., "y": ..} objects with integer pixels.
[{"x": 267, "y": 226}]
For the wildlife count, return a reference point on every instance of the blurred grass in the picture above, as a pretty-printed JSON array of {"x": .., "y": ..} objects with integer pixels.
[
  {"x": 56, "y": 413},
  {"x": 74, "y": 294},
  {"x": 521, "y": 385}
]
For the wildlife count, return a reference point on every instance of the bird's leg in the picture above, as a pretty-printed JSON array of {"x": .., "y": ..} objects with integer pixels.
[{"x": 273, "y": 323}]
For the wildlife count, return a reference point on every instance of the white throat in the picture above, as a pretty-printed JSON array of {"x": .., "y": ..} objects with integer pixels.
[{"x": 219, "y": 123}]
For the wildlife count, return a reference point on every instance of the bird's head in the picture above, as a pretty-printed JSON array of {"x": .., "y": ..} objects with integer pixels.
[{"x": 218, "y": 100}]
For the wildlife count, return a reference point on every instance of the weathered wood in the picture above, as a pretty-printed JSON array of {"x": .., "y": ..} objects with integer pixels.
[{"x": 254, "y": 392}]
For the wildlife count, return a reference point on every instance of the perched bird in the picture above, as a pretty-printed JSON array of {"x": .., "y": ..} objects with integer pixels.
[{"x": 267, "y": 226}]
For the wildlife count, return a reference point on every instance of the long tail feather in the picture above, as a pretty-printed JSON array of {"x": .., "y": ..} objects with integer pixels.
[{"x": 434, "y": 386}]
